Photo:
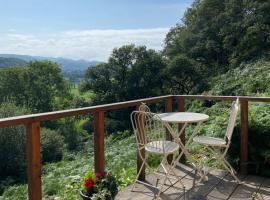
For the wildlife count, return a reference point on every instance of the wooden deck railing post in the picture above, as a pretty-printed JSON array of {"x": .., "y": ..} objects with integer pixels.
[
  {"x": 142, "y": 152},
  {"x": 33, "y": 161},
  {"x": 99, "y": 141},
  {"x": 169, "y": 108},
  {"x": 181, "y": 108},
  {"x": 244, "y": 136}
]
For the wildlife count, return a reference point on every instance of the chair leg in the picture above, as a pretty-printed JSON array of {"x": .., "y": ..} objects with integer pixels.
[
  {"x": 168, "y": 173},
  {"x": 138, "y": 174},
  {"x": 226, "y": 164},
  {"x": 165, "y": 179},
  {"x": 231, "y": 170}
]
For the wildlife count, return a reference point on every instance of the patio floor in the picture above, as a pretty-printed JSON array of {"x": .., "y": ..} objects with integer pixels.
[{"x": 220, "y": 186}]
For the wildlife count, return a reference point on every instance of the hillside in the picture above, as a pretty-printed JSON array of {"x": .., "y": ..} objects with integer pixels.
[
  {"x": 247, "y": 79},
  {"x": 10, "y": 62},
  {"x": 67, "y": 65}
]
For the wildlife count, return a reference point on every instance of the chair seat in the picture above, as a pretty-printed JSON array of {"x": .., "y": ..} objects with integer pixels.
[
  {"x": 209, "y": 141},
  {"x": 160, "y": 147}
]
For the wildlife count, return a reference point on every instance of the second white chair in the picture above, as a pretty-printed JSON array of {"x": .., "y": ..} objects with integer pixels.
[{"x": 215, "y": 144}]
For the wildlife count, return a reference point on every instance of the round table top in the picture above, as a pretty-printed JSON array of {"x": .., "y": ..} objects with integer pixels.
[{"x": 183, "y": 117}]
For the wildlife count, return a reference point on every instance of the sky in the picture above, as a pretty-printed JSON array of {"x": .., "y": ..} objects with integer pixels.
[{"x": 85, "y": 29}]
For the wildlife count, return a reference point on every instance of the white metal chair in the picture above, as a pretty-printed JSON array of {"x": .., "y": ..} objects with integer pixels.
[
  {"x": 214, "y": 145},
  {"x": 150, "y": 135}
]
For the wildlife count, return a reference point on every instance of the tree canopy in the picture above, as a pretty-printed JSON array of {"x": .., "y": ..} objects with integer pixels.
[
  {"x": 130, "y": 73},
  {"x": 221, "y": 34},
  {"x": 35, "y": 86}
]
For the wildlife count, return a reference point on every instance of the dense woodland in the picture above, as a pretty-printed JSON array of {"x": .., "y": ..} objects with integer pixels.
[{"x": 219, "y": 47}]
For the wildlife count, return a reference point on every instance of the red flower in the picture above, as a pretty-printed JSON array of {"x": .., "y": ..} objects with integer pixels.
[{"x": 89, "y": 183}]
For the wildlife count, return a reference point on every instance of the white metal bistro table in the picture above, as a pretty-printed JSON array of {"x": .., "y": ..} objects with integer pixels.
[{"x": 184, "y": 118}]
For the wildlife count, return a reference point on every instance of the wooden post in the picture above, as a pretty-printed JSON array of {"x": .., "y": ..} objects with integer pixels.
[
  {"x": 142, "y": 152},
  {"x": 181, "y": 108},
  {"x": 33, "y": 161},
  {"x": 169, "y": 108},
  {"x": 244, "y": 136},
  {"x": 99, "y": 142}
]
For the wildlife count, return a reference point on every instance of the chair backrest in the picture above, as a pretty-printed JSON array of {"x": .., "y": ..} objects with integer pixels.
[
  {"x": 148, "y": 127},
  {"x": 232, "y": 120},
  {"x": 143, "y": 107}
]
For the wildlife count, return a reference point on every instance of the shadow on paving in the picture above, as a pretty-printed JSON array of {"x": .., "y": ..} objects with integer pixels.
[{"x": 220, "y": 185}]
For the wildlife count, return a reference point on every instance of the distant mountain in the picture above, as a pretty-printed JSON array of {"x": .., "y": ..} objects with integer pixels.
[
  {"x": 11, "y": 62},
  {"x": 67, "y": 65}
]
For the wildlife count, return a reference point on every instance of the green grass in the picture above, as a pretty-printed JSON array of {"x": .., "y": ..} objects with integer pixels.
[{"x": 85, "y": 95}]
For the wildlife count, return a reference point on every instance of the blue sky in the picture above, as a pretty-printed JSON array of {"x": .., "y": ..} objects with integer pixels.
[{"x": 31, "y": 26}]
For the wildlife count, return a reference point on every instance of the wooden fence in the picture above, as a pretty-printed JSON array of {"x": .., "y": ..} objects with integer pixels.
[{"x": 32, "y": 123}]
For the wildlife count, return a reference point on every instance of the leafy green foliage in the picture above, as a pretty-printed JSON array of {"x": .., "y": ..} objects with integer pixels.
[
  {"x": 131, "y": 73},
  {"x": 182, "y": 75},
  {"x": 64, "y": 178},
  {"x": 72, "y": 132},
  {"x": 52, "y": 145},
  {"x": 134, "y": 72},
  {"x": 248, "y": 79},
  {"x": 221, "y": 34},
  {"x": 35, "y": 86},
  {"x": 12, "y": 143}
]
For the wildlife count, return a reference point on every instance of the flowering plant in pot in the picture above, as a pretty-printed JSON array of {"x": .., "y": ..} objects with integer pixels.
[{"x": 99, "y": 186}]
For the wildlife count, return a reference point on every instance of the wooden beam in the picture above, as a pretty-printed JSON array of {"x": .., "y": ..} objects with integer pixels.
[
  {"x": 142, "y": 152},
  {"x": 99, "y": 142},
  {"x": 181, "y": 108},
  {"x": 223, "y": 98},
  {"x": 33, "y": 161},
  {"x": 25, "y": 119},
  {"x": 244, "y": 136}
]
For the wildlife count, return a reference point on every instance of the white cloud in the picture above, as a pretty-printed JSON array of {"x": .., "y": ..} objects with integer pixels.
[{"x": 84, "y": 44}]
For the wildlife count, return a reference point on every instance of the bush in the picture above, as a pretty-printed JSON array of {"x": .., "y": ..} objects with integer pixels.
[
  {"x": 73, "y": 133},
  {"x": 52, "y": 145},
  {"x": 12, "y": 143},
  {"x": 259, "y": 140}
]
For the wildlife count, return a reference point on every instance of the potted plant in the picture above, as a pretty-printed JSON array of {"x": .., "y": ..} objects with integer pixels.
[{"x": 99, "y": 186}]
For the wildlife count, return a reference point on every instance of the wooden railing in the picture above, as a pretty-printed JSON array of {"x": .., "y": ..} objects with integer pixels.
[{"x": 32, "y": 123}]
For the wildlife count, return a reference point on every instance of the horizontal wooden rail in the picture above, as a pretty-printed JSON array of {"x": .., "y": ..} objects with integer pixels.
[
  {"x": 222, "y": 98},
  {"x": 26, "y": 119},
  {"x": 32, "y": 123}
]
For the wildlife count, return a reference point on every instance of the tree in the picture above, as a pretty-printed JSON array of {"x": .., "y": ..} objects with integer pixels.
[
  {"x": 12, "y": 85},
  {"x": 131, "y": 72},
  {"x": 221, "y": 34},
  {"x": 43, "y": 84},
  {"x": 98, "y": 79},
  {"x": 181, "y": 75},
  {"x": 12, "y": 143},
  {"x": 36, "y": 86}
]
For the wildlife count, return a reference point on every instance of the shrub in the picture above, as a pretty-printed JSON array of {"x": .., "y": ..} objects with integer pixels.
[
  {"x": 12, "y": 143},
  {"x": 73, "y": 133},
  {"x": 52, "y": 145}
]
